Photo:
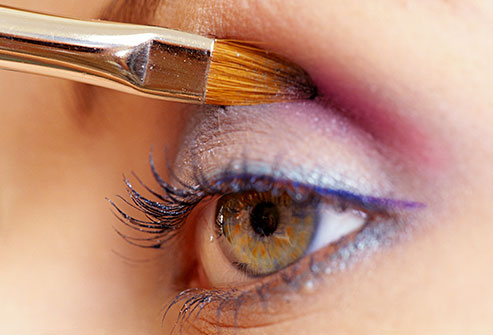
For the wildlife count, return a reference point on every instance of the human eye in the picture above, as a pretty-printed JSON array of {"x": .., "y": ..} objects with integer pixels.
[
  {"x": 260, "y": 216},
  {"x": 262, "y": 225}
]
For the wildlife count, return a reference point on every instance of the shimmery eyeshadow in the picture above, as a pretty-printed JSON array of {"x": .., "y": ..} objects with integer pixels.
[{"x": 316, "y": 146}]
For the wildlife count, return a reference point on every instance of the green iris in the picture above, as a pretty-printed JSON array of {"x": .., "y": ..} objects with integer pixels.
[{"x": 263, "y": 232}]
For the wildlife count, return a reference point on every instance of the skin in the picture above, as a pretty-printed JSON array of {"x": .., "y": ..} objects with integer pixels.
[{"x": 415, "y": 76}]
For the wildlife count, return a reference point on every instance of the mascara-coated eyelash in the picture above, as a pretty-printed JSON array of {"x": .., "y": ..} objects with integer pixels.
[{"x": 165, "y": 217}]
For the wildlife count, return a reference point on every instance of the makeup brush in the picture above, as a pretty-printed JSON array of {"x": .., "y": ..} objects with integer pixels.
[{"x": 147, "y": 60}]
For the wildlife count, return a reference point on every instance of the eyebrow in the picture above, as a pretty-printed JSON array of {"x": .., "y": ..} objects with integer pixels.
[{"x": 130, "y": 11}]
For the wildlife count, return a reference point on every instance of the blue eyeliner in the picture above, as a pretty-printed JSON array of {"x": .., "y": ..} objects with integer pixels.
[{"x": 248, "y": 181}]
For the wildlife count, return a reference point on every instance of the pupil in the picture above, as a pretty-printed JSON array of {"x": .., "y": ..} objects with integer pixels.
[{"x": 264, "y": 218}]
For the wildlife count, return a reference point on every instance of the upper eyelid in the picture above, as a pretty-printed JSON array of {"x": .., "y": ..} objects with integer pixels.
[{"x": 307, "y": 141}]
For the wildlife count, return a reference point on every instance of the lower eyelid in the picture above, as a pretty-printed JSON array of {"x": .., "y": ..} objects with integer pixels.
[
  {"x": 269, "y": 300},
  {"x": 236, "y": 305}
]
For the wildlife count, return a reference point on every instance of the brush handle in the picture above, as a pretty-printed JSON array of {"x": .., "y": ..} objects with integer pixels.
[{"x": 143, "y": 60}]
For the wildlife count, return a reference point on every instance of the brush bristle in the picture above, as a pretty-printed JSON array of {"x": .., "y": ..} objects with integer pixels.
[{"x": 241, "y": 74}]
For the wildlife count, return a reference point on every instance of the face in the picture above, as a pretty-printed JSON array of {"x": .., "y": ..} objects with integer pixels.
[{"x": 364, "y": 210}]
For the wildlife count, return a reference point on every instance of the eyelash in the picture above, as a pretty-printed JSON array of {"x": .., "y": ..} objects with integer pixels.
[{"x": 166, "y": 217}]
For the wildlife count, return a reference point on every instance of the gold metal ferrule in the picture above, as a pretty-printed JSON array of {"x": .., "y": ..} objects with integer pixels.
[{"x": 148, "y": 61}]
